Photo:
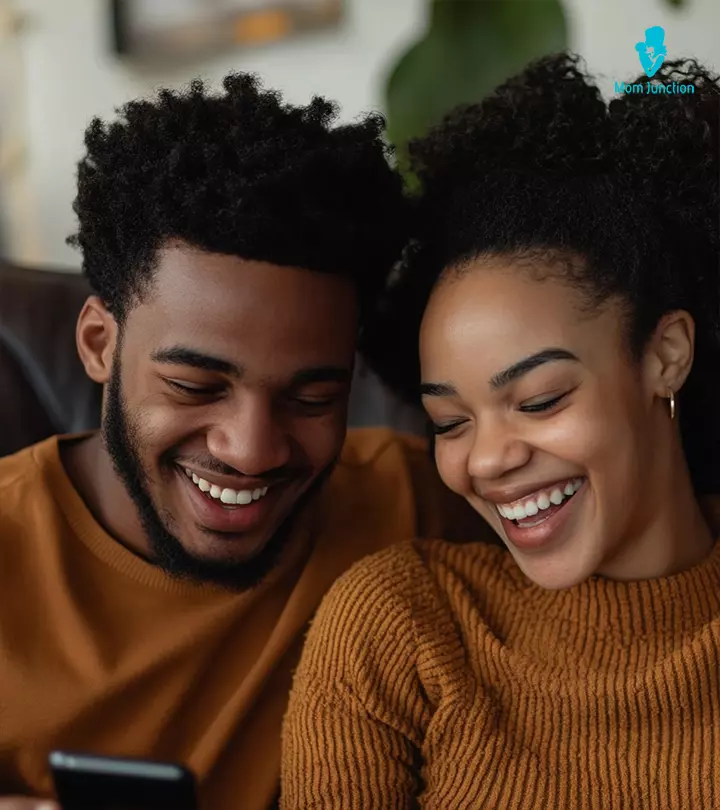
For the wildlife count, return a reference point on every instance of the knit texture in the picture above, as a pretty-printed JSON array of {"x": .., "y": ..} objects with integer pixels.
[{"x": 439, "y": 676}]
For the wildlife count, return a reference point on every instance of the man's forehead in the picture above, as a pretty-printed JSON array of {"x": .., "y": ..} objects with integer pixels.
[
  {"x": 179, "y": 267},
  {"x": 199, "y": 289},
  {"x": 246, "y": 339}
]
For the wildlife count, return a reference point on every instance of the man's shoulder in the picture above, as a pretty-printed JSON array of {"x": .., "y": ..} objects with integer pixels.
[
  {"x": 25, "y": 469},
  {"x": 28, "y": 502},
  {"x": 385, "y": 471},
  {"x": 388, "y": 481},
  {"x": 368, "y": 447},
  {"x": 376, "y": 474}
]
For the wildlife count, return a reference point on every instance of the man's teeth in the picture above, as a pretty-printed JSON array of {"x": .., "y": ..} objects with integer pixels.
[
  {"x": 540, "y": 501},
  {"x": 227, "y": 496}
]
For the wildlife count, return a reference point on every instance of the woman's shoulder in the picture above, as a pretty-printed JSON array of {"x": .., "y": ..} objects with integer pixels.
[
  {"x": 401, "y": 614},
  {"x": 412, "y": 580},
  {"x": 363, "y": 632},
  {"x": 424, "y": 558},
  {"x": 380, "y": 585},
  {"x": 475, "y": 566}
]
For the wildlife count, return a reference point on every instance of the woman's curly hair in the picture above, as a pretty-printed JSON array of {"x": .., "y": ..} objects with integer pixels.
[
  {"x": 241, "y": 173},
  {"x": 622, "y": 196}
]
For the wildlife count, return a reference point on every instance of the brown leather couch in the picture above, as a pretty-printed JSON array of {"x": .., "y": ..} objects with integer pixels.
[
  {"x": 43, "y": 385},
  {"x": 44, "y": 388}
]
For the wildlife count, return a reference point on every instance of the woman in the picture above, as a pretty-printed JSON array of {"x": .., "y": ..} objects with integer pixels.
[{"x": 567, "y": 292}]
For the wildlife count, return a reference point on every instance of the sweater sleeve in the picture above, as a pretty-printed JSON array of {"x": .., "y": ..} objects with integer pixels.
[{"x": 357, "y": 712}]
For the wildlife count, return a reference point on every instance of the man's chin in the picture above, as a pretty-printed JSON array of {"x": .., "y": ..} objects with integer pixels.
[
  {"x": 228, "y": 563},
  {"x": 224, "y": 548}
]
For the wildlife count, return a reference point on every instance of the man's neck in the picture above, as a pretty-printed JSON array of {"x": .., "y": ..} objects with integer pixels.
[{"x": 90, "y": 470}]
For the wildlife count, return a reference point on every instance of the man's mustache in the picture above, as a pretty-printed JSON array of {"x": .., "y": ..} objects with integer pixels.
[{"x": 213, "y": 465}]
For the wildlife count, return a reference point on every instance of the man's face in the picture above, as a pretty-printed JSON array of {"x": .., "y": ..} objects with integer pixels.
[{"x": 226, "y": 407}]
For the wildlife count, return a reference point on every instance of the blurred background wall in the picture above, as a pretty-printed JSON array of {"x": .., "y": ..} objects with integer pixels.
[{"x": 57, "y": 70}]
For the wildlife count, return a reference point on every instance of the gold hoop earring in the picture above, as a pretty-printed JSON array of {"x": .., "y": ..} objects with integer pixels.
[{"x": 671, "y": 399}]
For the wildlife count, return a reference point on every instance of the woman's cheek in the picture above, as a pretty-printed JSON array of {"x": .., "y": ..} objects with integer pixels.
[{"x": 451, "y": 463}]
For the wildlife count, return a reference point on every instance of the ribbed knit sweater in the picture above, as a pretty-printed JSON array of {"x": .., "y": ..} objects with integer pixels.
[{"x": 439, "y": 676}]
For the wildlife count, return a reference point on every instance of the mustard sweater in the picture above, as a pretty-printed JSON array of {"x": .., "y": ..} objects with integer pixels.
[
  {"x": 101, "y": 651},
  {"x": 438, "y": 676}
]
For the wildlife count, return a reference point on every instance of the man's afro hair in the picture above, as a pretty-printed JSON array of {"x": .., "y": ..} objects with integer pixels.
[{"x": 241, "y": 173}]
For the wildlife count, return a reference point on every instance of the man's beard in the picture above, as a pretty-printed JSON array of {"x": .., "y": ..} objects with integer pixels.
[{"x": 122, "y": 441}]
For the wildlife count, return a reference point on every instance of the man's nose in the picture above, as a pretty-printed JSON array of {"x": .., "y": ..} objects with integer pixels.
[
  {"x": 251, "y": 439},
  {"x": 496, "y": 451}
]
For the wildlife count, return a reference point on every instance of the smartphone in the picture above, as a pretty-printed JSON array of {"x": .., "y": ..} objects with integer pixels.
[{"x": 87, "y": 782}]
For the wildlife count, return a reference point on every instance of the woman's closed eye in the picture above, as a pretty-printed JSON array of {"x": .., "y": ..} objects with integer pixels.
[
  {"x": 447, "y": 427},
  {"x": 529, "y": 407},
  {"x": 542, "y": 405}
]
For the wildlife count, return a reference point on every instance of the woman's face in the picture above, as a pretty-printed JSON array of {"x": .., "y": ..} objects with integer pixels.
[{"x": 544, "y": 423}]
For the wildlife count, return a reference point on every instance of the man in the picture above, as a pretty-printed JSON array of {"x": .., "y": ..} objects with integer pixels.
[{"x": 157, "y": 578}]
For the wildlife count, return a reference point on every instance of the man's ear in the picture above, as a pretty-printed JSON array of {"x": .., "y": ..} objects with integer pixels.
[
  {"x": 670, "y": 353},
  {"x": 96, "y": 336}
]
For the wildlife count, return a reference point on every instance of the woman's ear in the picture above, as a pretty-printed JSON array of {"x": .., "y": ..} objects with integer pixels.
[
  {"x": 96, "y": 337},
  {"x": 669, "y": 355}
]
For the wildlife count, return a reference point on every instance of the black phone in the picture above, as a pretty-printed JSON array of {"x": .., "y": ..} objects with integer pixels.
[{"x": 88, "y": 782}]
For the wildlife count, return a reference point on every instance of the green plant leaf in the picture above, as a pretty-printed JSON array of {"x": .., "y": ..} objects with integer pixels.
[{"x": 470, "y": 47}]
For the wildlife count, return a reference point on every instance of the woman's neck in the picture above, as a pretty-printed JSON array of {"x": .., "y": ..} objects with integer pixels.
[{"x": 671, "y": 535}]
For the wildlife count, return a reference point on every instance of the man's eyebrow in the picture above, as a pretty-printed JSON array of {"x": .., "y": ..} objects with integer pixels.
[
  {"x": 321, "y": 374},
  {"x": 522, "y": 367},
  {"x": 185, "y": 356}
]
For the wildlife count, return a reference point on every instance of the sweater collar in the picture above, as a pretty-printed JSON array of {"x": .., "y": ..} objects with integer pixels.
[{"x": 667, "y": 606}]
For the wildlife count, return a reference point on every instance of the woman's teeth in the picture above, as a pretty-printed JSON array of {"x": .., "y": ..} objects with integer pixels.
[
  {"x": 230, "y": 497},
  {"x": 540, "y": 501}
]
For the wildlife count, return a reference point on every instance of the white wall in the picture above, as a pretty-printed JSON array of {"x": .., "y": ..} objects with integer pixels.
[{"x": 70, "y": 77}]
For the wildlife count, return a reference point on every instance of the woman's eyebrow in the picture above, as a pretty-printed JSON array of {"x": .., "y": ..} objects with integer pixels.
[{"x": 522, "y": 367}]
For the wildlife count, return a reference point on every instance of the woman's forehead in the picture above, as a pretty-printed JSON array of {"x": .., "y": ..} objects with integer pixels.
[{"x": 495, "y": 316}]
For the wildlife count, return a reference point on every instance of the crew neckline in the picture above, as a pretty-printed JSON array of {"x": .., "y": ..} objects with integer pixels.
[{"x": 677, "y": 603}]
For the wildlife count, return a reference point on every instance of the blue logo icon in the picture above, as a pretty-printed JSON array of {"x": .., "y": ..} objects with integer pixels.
[{"x": 652, "y": 52}]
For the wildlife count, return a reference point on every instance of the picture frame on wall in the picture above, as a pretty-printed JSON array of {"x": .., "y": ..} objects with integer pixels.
[{"x": 165, "y": 30}]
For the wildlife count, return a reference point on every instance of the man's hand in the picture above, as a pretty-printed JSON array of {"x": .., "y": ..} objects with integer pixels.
[{"x": 26, "y": 803}]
